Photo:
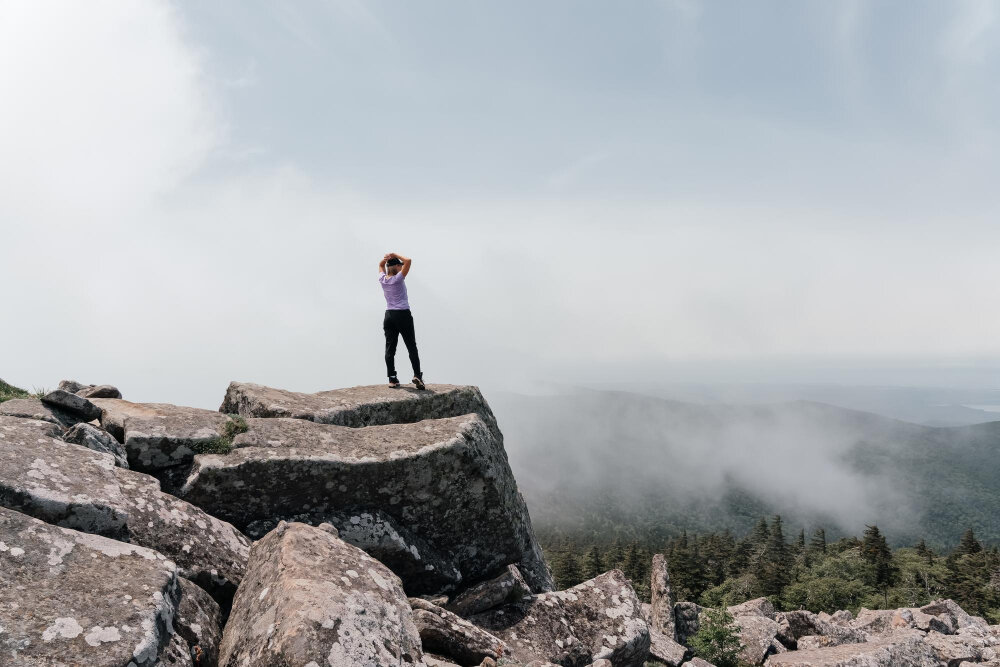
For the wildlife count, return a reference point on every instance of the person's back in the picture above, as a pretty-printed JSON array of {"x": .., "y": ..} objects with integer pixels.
[{"x": 398, "y": 320}]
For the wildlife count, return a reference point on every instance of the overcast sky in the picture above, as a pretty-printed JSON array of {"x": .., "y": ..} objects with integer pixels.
[{"x": 192, "y": 193}]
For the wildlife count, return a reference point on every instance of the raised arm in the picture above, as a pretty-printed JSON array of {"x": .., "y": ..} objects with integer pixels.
[
  {"x": 381, "y": 265},
  {"x": 406, "y": 262}
]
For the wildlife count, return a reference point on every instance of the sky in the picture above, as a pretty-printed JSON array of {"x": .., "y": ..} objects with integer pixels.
[{"x": 193, "y": 193}]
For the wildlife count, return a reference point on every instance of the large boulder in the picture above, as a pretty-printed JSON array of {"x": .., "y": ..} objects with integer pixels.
[
  {"x": 92, "y": 437},
  {"x": 421, "y": 567},
  {"x": 75, "y": 487},
  {"x": 508, "y": 586},
  {"x": 453, "y": 637},
  {"x": 71, "y": 598},
  {"x": 32, "y": 408},
  {"x": 358, "y": 406},
  {"x": 73, "y": 404},
  {"x": 756, "y": 607},
  {"x": 309, "y": 598},
  {"x": 600, "y": 618},
  {"x": 114, "y": 412},
  {"x": 446, "y": 480},
  {"x": 952, "y": 611},
  {"x": 661, "y": 610},
  {"x": 758, "y": 634},
  {"x": 911, "y": 617},
  {"x": 903, "y": 648},
  {"x": 100, "y": 391},
  {"x": 665, "y": 649}
]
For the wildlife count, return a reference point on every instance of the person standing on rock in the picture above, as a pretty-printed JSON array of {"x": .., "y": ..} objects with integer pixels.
[{"x": 398, "y": 320}]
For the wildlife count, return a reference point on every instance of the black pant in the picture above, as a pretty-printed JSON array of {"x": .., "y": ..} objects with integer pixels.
[{"x": 398, "y": 322}]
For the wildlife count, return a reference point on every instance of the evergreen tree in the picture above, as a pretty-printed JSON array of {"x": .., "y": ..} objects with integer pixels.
[
  {"x": 616, "y": 556},
  {"x": 818, "y": 541},
  {"x": 632, "y": 566},
  {"x": 774, "y": 568},
  {"x": 969, "y": 544},
  {"x": 800, "y": 544},
  {"x": 761, "y": 533},
  {"x": 592, "y": 564},
  {"x": 876, "y": 553},
  {"x": 566, "y": 570}
]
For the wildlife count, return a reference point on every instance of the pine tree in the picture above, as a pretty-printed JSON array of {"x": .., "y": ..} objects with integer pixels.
[
  {"x": 761, "y": 533},
  {"x": 632, "y": 567},
  {"x": 800, "y": 544},
  {"x": 774, "y": 568},
  {"x": 592, "y": 564},
  {"x": 969, "y": 544},
  {"x": 876, "y": 553},
  {"x": 566, "y": 570},
  {"x": 818, "y": 541}
]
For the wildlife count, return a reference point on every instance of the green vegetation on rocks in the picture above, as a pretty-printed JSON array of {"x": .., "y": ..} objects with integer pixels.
[
  {"x": 718, "y": 639},
  {"x": 9, "y": 391},
  {"x": 224, "y": 443}
]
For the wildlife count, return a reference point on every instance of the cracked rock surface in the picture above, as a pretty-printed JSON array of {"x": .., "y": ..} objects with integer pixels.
[
  {"x": 598, "y": 619},
  {"x": 75, "y": 598},
  {"x": 75, "y": 487},
  {"x": 310, "y": 598},
  {"x": 447, "y": 481},
  {"x": 358, "y": 406}
]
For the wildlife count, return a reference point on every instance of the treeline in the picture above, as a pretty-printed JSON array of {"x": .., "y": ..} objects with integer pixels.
[{"x": 718, "y": 569}]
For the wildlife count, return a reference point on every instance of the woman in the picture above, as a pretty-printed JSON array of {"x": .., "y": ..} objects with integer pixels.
[{"x": 398, "y": 320}]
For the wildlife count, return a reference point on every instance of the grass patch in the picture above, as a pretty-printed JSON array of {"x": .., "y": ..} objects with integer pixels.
[
  {"x": 9, "y": 391},
  {"x": 224, "y": 443}
]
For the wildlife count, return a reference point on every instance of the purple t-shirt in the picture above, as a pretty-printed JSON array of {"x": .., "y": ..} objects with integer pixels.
[{"x": 395, "y": 291}]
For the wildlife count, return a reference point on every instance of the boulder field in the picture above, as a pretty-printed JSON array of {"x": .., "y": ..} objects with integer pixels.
[{"x": 365, "y": 526}]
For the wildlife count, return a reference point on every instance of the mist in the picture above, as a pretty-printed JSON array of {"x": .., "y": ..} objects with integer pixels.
[{"x": 594, "y": 458}]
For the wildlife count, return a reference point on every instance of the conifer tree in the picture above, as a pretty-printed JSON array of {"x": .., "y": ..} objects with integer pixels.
[
  {"x": 632, "y": 566},
  {"x": 566, "y": 570},
  {"x": 774, "y": 568},
  {"x": 761, "y": 533},
  {"x": 800, "y": 544},
  {"x": 969, "y": 544},
  {"x": 818, "y": 541},
  {"x": 876, "y": 553},
  {"x": 592, "y": 564}
]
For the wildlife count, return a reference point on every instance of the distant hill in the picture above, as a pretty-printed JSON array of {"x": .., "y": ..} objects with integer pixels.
[{"x": 608, "y": 463}]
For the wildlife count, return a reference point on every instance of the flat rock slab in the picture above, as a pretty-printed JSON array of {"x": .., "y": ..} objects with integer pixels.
[
  {"x": 75, "y": 487},
  {"x": 309, "y": 598},
  {"x": 32, "y": 408},
  {"x": 99, "y": 440},
  {"x": 358, "y": 406},
  {"x": 600, "y": 618},
  {"x": 905, "y": 648},
  {"x": 758, "y": 635},
  {"x": 114, "y": 412},
  {"x": 77, "y": 405},
  {"x": 665, "y": 649},
  {"x": 172, "y": 439},
  {"x": 453, "y": 637},
  {"x": 508, "y": 586},
  {"x": 71, "y": 598},
  {"x": 446, "y": 480}
]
